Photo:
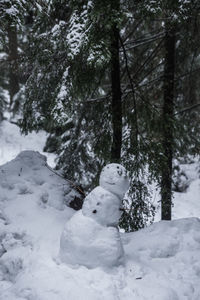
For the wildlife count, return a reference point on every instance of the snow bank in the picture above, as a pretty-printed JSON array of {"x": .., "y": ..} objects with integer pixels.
[
  {"x": 158, "y": 266},
  {"x": 165, "y": 257},
  {"x": 162, "y": 262},
  {"x": 29, "y": 176}
]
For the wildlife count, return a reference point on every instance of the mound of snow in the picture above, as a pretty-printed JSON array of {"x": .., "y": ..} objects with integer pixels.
[
  {"x": 165, "y": 257},
  {"x": 161, "y": 262},
  {"x": 29, "y": 176}
]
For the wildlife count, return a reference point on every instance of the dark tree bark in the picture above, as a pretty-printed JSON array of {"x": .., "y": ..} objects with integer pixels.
[
  {"x": 13, "y": 62},
  {"x": 116, "y": 93},
  {"x": 167, "y": 134}
]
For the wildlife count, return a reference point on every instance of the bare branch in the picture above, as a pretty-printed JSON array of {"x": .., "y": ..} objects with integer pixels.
[
  {"x": 132, "y": 89},
  {"x": 134, "y": 29},
  {"x": 145, "y": 40},
  {"x": 187, "y": 109},
  {"x": 149, "y": 58},
  {"x": 187, "y": 73},
  {"x": 99, "y": 99}
]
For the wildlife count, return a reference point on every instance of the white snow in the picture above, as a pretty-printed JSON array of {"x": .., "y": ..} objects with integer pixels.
[
  {"x": 12, "y": 143},
  {"x": 85, "y": 242},
  {"x": 166, "y": 256},
  {"x": 29, "y": 176},
  {"x": 162, "y": 262},
  {"x": 103, "y": 207},
  {"x": 114, "y": 179},
  {"x": 185, "y": 204}
]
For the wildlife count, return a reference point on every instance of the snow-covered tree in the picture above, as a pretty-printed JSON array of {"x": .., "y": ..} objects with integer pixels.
[
  {"x": 12, "y": 20},
  {"x": 83, "y": 57}
]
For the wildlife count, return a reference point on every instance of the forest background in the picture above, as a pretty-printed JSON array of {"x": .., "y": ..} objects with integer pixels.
[{"x": 110, "y": 81}]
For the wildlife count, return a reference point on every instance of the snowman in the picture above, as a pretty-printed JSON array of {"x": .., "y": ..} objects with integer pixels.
[{"x": 91, "y": 237}]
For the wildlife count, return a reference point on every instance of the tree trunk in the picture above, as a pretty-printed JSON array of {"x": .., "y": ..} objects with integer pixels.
[
  {"x": 167, "y": 134},
  {"x": 13, "y": 62},
  {"x": 116, "y": 94}
]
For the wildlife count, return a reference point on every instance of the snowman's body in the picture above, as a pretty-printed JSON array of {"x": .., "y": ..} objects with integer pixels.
[
  {"x": 85, "y": 242},
  {"x": 91, "y": 237}
]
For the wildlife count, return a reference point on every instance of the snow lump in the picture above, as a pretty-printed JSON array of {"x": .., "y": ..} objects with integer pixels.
[{"x": 29, "y": 174}]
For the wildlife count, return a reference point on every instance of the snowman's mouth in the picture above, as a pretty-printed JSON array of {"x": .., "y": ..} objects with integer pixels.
[{"x": 111, "y": 183}]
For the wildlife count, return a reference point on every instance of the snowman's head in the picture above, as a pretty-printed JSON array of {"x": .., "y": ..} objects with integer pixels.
[
  {"x": 114, "y": 179},
  {"x": 102, "y": 206}
]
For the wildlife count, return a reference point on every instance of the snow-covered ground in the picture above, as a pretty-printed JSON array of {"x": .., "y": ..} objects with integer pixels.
[
  {"x": 187, "y": 204},
  {"x": 12, "y": 143},
  {"x": 162, "y": 262}
]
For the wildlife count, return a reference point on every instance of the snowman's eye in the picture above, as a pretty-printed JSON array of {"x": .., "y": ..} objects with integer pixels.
[
  {"x": 98, "y": 203},
  {"x": 94, "y": 211},
  {"x": 118, "y": 167}
]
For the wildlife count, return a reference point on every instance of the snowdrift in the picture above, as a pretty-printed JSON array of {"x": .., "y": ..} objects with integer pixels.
[
  {"x": 162, "y": 262},
  {"x": 29, "y": 175}
]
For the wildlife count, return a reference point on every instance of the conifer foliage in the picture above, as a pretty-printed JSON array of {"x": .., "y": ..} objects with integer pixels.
[{"x": 107, "y": 80}]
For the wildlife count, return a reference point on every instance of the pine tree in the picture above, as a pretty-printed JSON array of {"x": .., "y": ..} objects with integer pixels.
[
  {"x": 175, "y": 15},
  {"x": 74, "y": 85},
  {"x": 11, "y": 20},
  {"x": 99, "y": 81},
  {"x": 13, "y": 62}
]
